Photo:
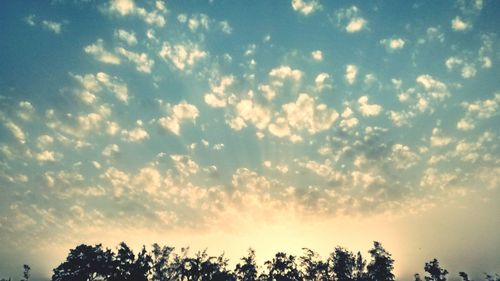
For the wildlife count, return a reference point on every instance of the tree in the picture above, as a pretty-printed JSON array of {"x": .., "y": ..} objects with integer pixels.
[
  {"x": 435, "y": 272},
  {"x": 359, "y": 268},
  {"x": 85, "y": 263},
  {"x": 247, "y": 270},
  {"x": 343, "y": 264},
  {"x": 464, "y": 276},
  {"x": 282, "y": 268},
  {"x": 161, "y": 259},
  {"x": 381, "y": 265},
  {"x": 417, "y": 277},
  {"x": 313, "y": 268},
  {"x": 26, "y": 272}
]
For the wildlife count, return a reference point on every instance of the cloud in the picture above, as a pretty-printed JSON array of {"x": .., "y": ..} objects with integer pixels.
[
  {"x": 350, "y": 18},
  {"x": 127, "y": 37},
  {"x": 351, "y": 71},
  {"x": 218, "y": 95},
  {"x": 100, "y": 54},
  {"x": 317, "y": 55},
  {"x": 403, "y": 157},
  {"x": 129, "y": 8},
  {"x": 393, "y": 44},
  {"x": 368, "y": 109},
  {"x": 44, "y": 141},
  {"x": 476, "y": 110},
  {"x": 283, "y": 72},
  {"x": 182, "y": 56},
  {"x": 457, "y": 24},
  {"x": 52, "y": 26},
  {"x": 16, "y": 131},
  {"x": 305, "y": 114},
  {"x": 48, "y": 156},
  {"x": 135, "y": 135},
  {"x": 142, "y": 61},
  {"x": 438, "y": 139},
  {"x": 180, "y": 113},
  {"x": 111, "y": 150},
  {"x": 306, "y": 7},
  {"x": 246, "y": 110},
  {"x": 184, "y": 164}
]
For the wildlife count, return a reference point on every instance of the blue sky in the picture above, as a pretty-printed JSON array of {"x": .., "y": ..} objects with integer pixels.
[{"x": 193, "y": 123}]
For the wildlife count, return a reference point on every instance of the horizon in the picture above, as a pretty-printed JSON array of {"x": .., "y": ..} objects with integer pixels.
[{"x": 277, "y": 126}]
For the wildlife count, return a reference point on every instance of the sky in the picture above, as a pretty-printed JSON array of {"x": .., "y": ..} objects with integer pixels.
[{"x": 275, "y": 125}]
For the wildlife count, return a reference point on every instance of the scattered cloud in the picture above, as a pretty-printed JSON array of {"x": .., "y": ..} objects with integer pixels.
[{"x": 306, "y": 7}]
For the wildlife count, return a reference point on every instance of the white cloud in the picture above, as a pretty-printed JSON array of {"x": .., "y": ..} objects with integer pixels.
[
  {"x": 111, "y": 150},
  {"x": 306, "y": 7},
  {"x": 127, "y": 37},
  {"x": 148, "y": 179},
  {"x": 217, "y": 95},
  {"x": 184, "y": 164},
  {"x": 368, "y": 109},
  {"x": 44, "y": 141},
  {"x": 451, "y": 62},
  {"x": 283, "y": 72},
  {"x": 225, "y": 27},
  {"x": 317, "y": 55},
  {"x": 403, "y": 157},
  {"x": 247, "y": 110},
  {"x": 465, "y": 124},
  {"x": 142, "y": 61},
  {"x": 468, "y": 71},
  {"x": 438, "y": 139},
  {"x": 393, "y": 44},
  {"x": 321, "y": 81},
  {"x": 355, "y": 25},
  {"x": 115, "y": 85},
  {"x": 458, "y": 24},
  {"x": 351, "y": 19},
  {"x": 351, "y": 71},
  {"x": 26, "y": 110},
  {"x": 268, "y": 92},
  {"x": 304, "y": 114},
  {"x": 135, "y": 135},
  {"x": 129, "y": 8},
  {"x": 180, "y": 113},
  {"x": 52, "y": 26},
  {"x": 280, "y": 128},
  {"x": 182, "y": 55},
  {"x": 100, "y": 54},
  {"x": 48, "y": 156},
  {"x": 16, "y": 131}
]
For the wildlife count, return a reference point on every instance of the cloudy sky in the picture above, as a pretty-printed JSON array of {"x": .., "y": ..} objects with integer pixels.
[{"x": 272, "y": 124}]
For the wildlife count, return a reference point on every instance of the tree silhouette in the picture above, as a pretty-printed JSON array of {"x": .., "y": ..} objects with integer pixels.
[
  {"x": 313, "y": 268},
  {"x": 247, "y": 270},
  {"x": 85, "y": 263},
  {"x": 343, "y": 264},
  {"x": 92, "y": 263},
  {"x": 282, "y": 268},
  {"x": 26, "y": 272},
  {"x": 435, "y": 272},
  {"x": 464, "y": 276},
  {"x": 381, "y": 266},
  {"x": 162, "y": 270}
]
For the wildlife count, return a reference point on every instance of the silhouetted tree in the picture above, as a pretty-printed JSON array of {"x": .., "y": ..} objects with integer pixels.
[
  {"x": 417, "y": 277},
  {"x": 464, "y": 276},
  {"x": 161, "y": 269},
  {"x": 26, "y": 272},
  {"x": 343, "y": 264},
  {"x": 435, "y": 272},
  {"x": 85, "y": 263},
  {"x": 359, "y": 270},
  {"x": 313, "y": 268},
  {"x": 247, "y": 270},
  {"x": 491, "y": 277},
  {"x": 381, "y": 266},
  {"x": 282, "y": 268}
]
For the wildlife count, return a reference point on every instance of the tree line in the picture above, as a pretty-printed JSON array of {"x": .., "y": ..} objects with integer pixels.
[{"x": 162, "y": 263}]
